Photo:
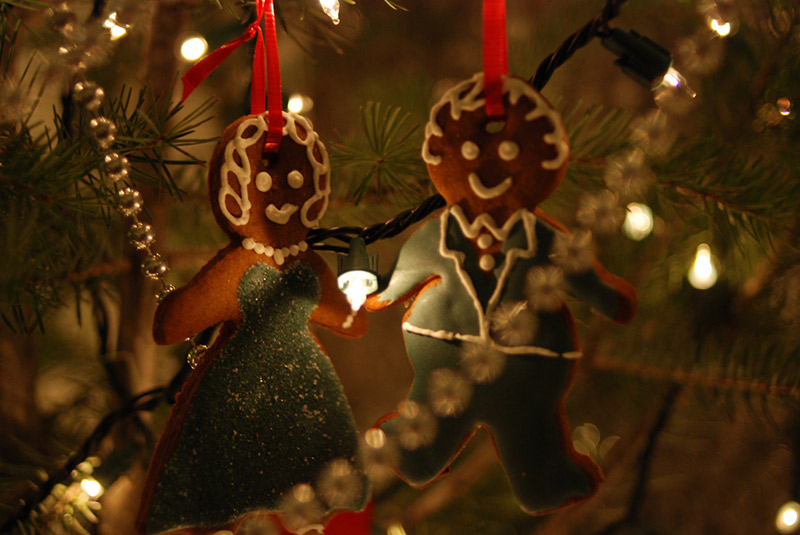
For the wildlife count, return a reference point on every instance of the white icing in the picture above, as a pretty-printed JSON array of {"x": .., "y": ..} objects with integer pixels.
[
  {"x": 510, "y": 350},
  {"x": 515, "y": 88},
  {"x": 263, "y": 181},
  {"x": 485, "y": 221},
  {"x": 486, "y": 262},
  {"x": 485, "y": 240},
  {"x": 473, "y": 229},
  {"x": 508, "y": 150},
  {"x": 485, "y": 192},
  {"x": 280, "y": 215},
  {"x": 470, "y": 150},
  {"x": 295, "y": 179},
  {"x": 242, "y": 171},
  {"x": 279, "y": 255},
  {"x": 348, "y": 322}
]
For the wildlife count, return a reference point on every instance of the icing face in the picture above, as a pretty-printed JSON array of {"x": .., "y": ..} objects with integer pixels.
[
  {"x": 488, "y": 164},
  {"x": 295, "y": 180}
]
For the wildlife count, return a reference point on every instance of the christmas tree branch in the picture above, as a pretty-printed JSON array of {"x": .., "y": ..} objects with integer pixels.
[
  {"x": 693, "y": 378},
  {"x": 146, "y": 401},
  {"x": 645, "y": 463}
]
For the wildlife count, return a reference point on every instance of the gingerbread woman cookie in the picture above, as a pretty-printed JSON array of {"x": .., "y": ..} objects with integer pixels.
[
  {"x": 488, "y": 334},
  {"x": 264, "y": 411}
]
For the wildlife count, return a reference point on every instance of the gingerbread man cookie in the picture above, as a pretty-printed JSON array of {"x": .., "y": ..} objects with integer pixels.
[
  {"x": 264, "y": 411},
  {"x": 488, "y": 334}
]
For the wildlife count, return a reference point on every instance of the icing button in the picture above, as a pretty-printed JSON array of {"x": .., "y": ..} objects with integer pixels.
[
  {"x": 278, "y": 256},
  {"x": 485, "y": 240},
  {"x": 486, "y": 262},
  {"x": 268, "y": 250},
  {"x": 248, "y": 243},
  {"x": 293, "y": 250},
  {"x": 285, "y": 251},
  {"x": 259, "y": 248},
  {"x": 303, "y": 246}
]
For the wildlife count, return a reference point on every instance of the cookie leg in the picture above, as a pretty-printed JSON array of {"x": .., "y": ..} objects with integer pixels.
[
  {"x": 526, "y": 418},
  {"x": 444, "y": 436}
]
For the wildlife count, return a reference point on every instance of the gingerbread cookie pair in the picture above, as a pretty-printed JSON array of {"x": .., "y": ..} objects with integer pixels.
[{"x": 489, "y": 337}]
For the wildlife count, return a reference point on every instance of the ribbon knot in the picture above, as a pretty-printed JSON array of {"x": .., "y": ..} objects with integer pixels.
[{"x": 266, "y": 84}]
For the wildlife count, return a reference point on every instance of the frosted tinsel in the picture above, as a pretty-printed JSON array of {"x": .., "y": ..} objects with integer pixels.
[
  {"x": 573, "y": 253},
  {"x": 546, "y": 288},
  {"x": 512, "y": 324},
  {"x": 449, "y": 392},
  {"x": 600, "y": 212},
  {"x": 482, "y": 363},
  {"x": 416, "y": 426}
]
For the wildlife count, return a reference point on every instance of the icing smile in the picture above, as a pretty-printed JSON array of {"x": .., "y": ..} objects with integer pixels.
[
  {"x": 485, "y": 192},
  {"x": 280, "y": 215}
]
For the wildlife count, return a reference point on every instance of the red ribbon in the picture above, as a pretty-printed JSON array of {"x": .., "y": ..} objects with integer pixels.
[
  {"x": 495, "y": 56},
  {"x": 261, "y": 92}
]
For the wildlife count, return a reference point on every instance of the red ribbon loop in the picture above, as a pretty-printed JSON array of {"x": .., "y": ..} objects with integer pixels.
[
  {"x": 261, "y": 94},
  {"x": 495, "y": 56}
]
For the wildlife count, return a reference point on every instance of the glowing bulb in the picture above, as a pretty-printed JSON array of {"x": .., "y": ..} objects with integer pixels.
[
  {"x": 703, "y": 273},
  {"x": 673, "y": 78},
  {"x": 723, "y": 29},
  {"x": 115, "y": 28},
  {"x": 638, "y": 222},
  {"x": 91, "y": 487},
  {"x": 788, "y": 518},
  {"x": 784, "y": 106},
  {"x": 193, "y": 48},
  {"x": 298, "y": 103},
  {"x": 357, "y": 285},
  {"x": 331, "y": 8},
  {"x": 396, "y": 529}
]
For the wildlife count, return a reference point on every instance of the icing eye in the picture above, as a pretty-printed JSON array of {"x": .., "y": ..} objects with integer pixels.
[
  {"x": 508, "y": 150},
  {"x": 295, "y": 179},
  {"x": 470, "y": 150},
  {"x": 263, "y": 181}
]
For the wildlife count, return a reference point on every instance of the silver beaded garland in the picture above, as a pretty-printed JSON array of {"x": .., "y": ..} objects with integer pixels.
[
  {"x": 196, "y": 354},
  {"x": 89, "y": 95},
  {"x": 103, "y": 131},
  {"x": 154, "y": 267},
  {"x": 141, "y": 235},
  {"x": 116, "y": 166},
  {"x": 130, "y": 201}
]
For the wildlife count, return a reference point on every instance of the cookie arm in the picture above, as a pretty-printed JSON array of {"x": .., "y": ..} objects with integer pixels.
[
  {"x": 333, "y": 310},
  {"x": 412, "y": 270},
  {"x": 206, "y": 300},
  {"x": 605, "y": 292}
]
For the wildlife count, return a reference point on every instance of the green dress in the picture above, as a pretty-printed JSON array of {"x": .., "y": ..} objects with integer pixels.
[{"x": 270, "y": 412}]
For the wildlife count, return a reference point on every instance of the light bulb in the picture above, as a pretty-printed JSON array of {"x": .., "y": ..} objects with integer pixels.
[
  {"x": 638, "y": 221},
  {"x": 673, "y": 78},
  {"x": 331, "y": 8},
  {"x": 723, "y": 29},
  {"x": 193, "y": 48},
  {"x": 784, "y": 106},
  {"x": 788, "y": 518},
  {"x": 357, "y": 285},
  {"x": 114, "y": 27},
  {"x": 298, "y": 103},
  {"x": 91, "y": 487},
  {"x": 395, "y": 529},
  {"x": 703, "y": 274}
]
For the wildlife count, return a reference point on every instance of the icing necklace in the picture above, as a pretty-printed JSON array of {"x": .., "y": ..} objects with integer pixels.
[{"x": 278, "y": 254}]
